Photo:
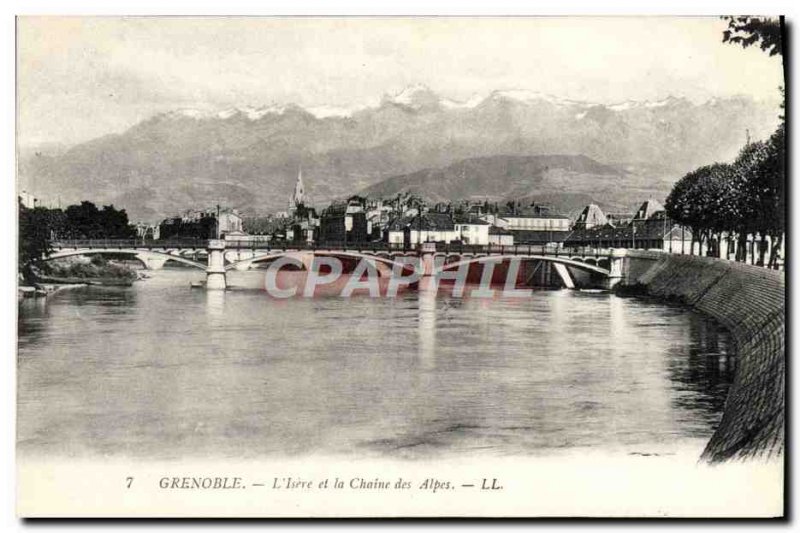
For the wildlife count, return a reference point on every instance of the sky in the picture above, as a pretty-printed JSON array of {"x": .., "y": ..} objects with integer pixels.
[{"x": 79, "y": 78}]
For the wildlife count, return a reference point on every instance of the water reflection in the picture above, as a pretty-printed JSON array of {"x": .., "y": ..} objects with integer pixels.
[
  {"x": 427, "y": 322},
  {"x": 703, "y": 370},
  {"x": 34, "y": 311},
  {"x": 215, "y": 305},
  {"x": 161, "y": 371}
]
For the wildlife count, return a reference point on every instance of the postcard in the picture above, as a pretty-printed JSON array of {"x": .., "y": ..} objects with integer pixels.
[{"x": 401, "y": 266}]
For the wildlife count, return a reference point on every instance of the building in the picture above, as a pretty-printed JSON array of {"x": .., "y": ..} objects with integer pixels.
[
  {"x": 229, "y": 221},
  {"x": 590, "y": 217},
  {"x": 472, "y": 230},
  {"x": 379, "y": 215},
  {"x": 529, "y": 221},
  {"x": 27, "y": 200},
  {"x": 650, "y": 229},
  {"x": 298, "y": 197},
  {"x": 211, "y": 223},
  {"x": 500, "y": 236},
  {"x": 531, "y": 225},
  {"x": 300, "y": 223},
  {"x": 495, "y": 219},
  {"x": 147, "y": 231},
  {"x": 658, "y": 233},
  {"x": 539, "y": 237},
  {"x": 345, "y": 222},
  {"x": 305, "y": 228},
  {"x": 427, "y": 227},
  {"x": 649, "y": 209},
  {"x": 204, "y": 227},
  {"x": 619, "y": 219}
]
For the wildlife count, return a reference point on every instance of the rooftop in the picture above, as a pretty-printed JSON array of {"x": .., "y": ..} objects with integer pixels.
[
  {"x": 652, "y": 229},
  {"x": 424, "y": 222},
  {"x": 470, "y": 219}
]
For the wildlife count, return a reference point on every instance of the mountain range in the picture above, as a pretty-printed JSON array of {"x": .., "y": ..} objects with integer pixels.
[{"x": 508, "y": 144}]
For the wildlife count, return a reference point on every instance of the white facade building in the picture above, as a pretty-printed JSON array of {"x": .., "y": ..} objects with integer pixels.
[{"x": 472, "y": 231}]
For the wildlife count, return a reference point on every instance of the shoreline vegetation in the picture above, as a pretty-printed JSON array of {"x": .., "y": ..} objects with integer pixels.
[{"x": 74, "y": 272}]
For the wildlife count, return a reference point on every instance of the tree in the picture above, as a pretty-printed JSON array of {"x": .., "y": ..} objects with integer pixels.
[
  {"x": 34, "y": 238},
  {"x": 747, "y": 31},
  {"x": 114, "y": 223},
  {"x": 741, "y": 199},
  {"x": 709, "y": 201},
  {"x": 760, "y": 168},
  {"x": 86, "y": 221},
  {"x": 83, "y": 221}
]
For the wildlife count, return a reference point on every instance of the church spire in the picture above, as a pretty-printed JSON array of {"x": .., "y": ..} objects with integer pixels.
[{"x": 299, "y": 190}]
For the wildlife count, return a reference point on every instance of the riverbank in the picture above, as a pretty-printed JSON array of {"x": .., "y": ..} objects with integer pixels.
[
  {"x": 74, "y": 272},
  {"x": 749, "y": 302},
  {"x": 82, "y": 268},
  {"x": 43, "y": 289}
]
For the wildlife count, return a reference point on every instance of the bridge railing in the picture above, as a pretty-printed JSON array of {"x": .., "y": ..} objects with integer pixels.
[
  {"x": 129, "y": 243},
  {"x": 248, "y": 244},
  {"x": 520, "y": 249},
  {"x": 374, "y": 247}
]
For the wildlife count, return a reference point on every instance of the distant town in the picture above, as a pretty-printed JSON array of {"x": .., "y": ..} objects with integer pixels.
[{"x": 407, "y": 221}]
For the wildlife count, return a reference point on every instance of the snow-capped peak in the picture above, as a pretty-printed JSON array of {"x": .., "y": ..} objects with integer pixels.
[
  {"x": 327, "y": 111},
  {"x": 190, "y": 113},
  {"x": 468, "y": 104},
  {"x": 250, "y": 112},
  {"x": 417, "y": 97},
  {"x": 410, "y": 94},
  {"x": 255, "y": 113},
  {"x": 646, "y": 104},
  {"x": 527, "y": 97}
]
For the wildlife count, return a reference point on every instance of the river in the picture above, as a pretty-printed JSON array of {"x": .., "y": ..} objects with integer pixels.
[{"x": 162, "y": 371}]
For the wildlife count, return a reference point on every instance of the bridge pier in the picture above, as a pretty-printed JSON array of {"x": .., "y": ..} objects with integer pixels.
[
  {"x": 215, "y": 273},
  {"x": 615, "y": 267}
]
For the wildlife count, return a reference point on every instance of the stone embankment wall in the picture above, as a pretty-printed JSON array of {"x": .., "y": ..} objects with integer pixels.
[{"x": 749, "y": 301}]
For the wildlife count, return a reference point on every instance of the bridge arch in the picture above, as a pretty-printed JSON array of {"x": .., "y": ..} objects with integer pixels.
[
  {"x": 384, "y": 264},
  {"x": 141, "y": 255},
  {"x": 553, "y": 259}
]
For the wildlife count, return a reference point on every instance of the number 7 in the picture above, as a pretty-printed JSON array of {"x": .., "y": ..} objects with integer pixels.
[{"x": 130, "y": 481}]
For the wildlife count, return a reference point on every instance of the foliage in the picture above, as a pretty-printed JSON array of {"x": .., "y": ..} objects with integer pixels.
[
  {"x": 203, "y": 228},
  {"x": 86, "y": 221},
  {"x": 747, "y": 31},
  {"x": 748, "y": 196},
  {"x": 95, "y": 268},
  {"x": 743, "y": 198},
  {"x": 704, "y": 199},
  {"x": 34, "y": 235},
  {"x": 39, "y": 226}
]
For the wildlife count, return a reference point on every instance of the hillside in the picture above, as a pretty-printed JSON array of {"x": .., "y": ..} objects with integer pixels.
[{"x": 567, "y": 182}]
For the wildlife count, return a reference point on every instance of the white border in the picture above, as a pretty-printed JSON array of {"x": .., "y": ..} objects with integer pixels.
[{"x": 310, "y": 7}]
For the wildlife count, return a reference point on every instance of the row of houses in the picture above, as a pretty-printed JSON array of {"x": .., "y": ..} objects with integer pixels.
[
  {"x": 406, "y": 220},
  {"x": 211, "y": 223}
]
